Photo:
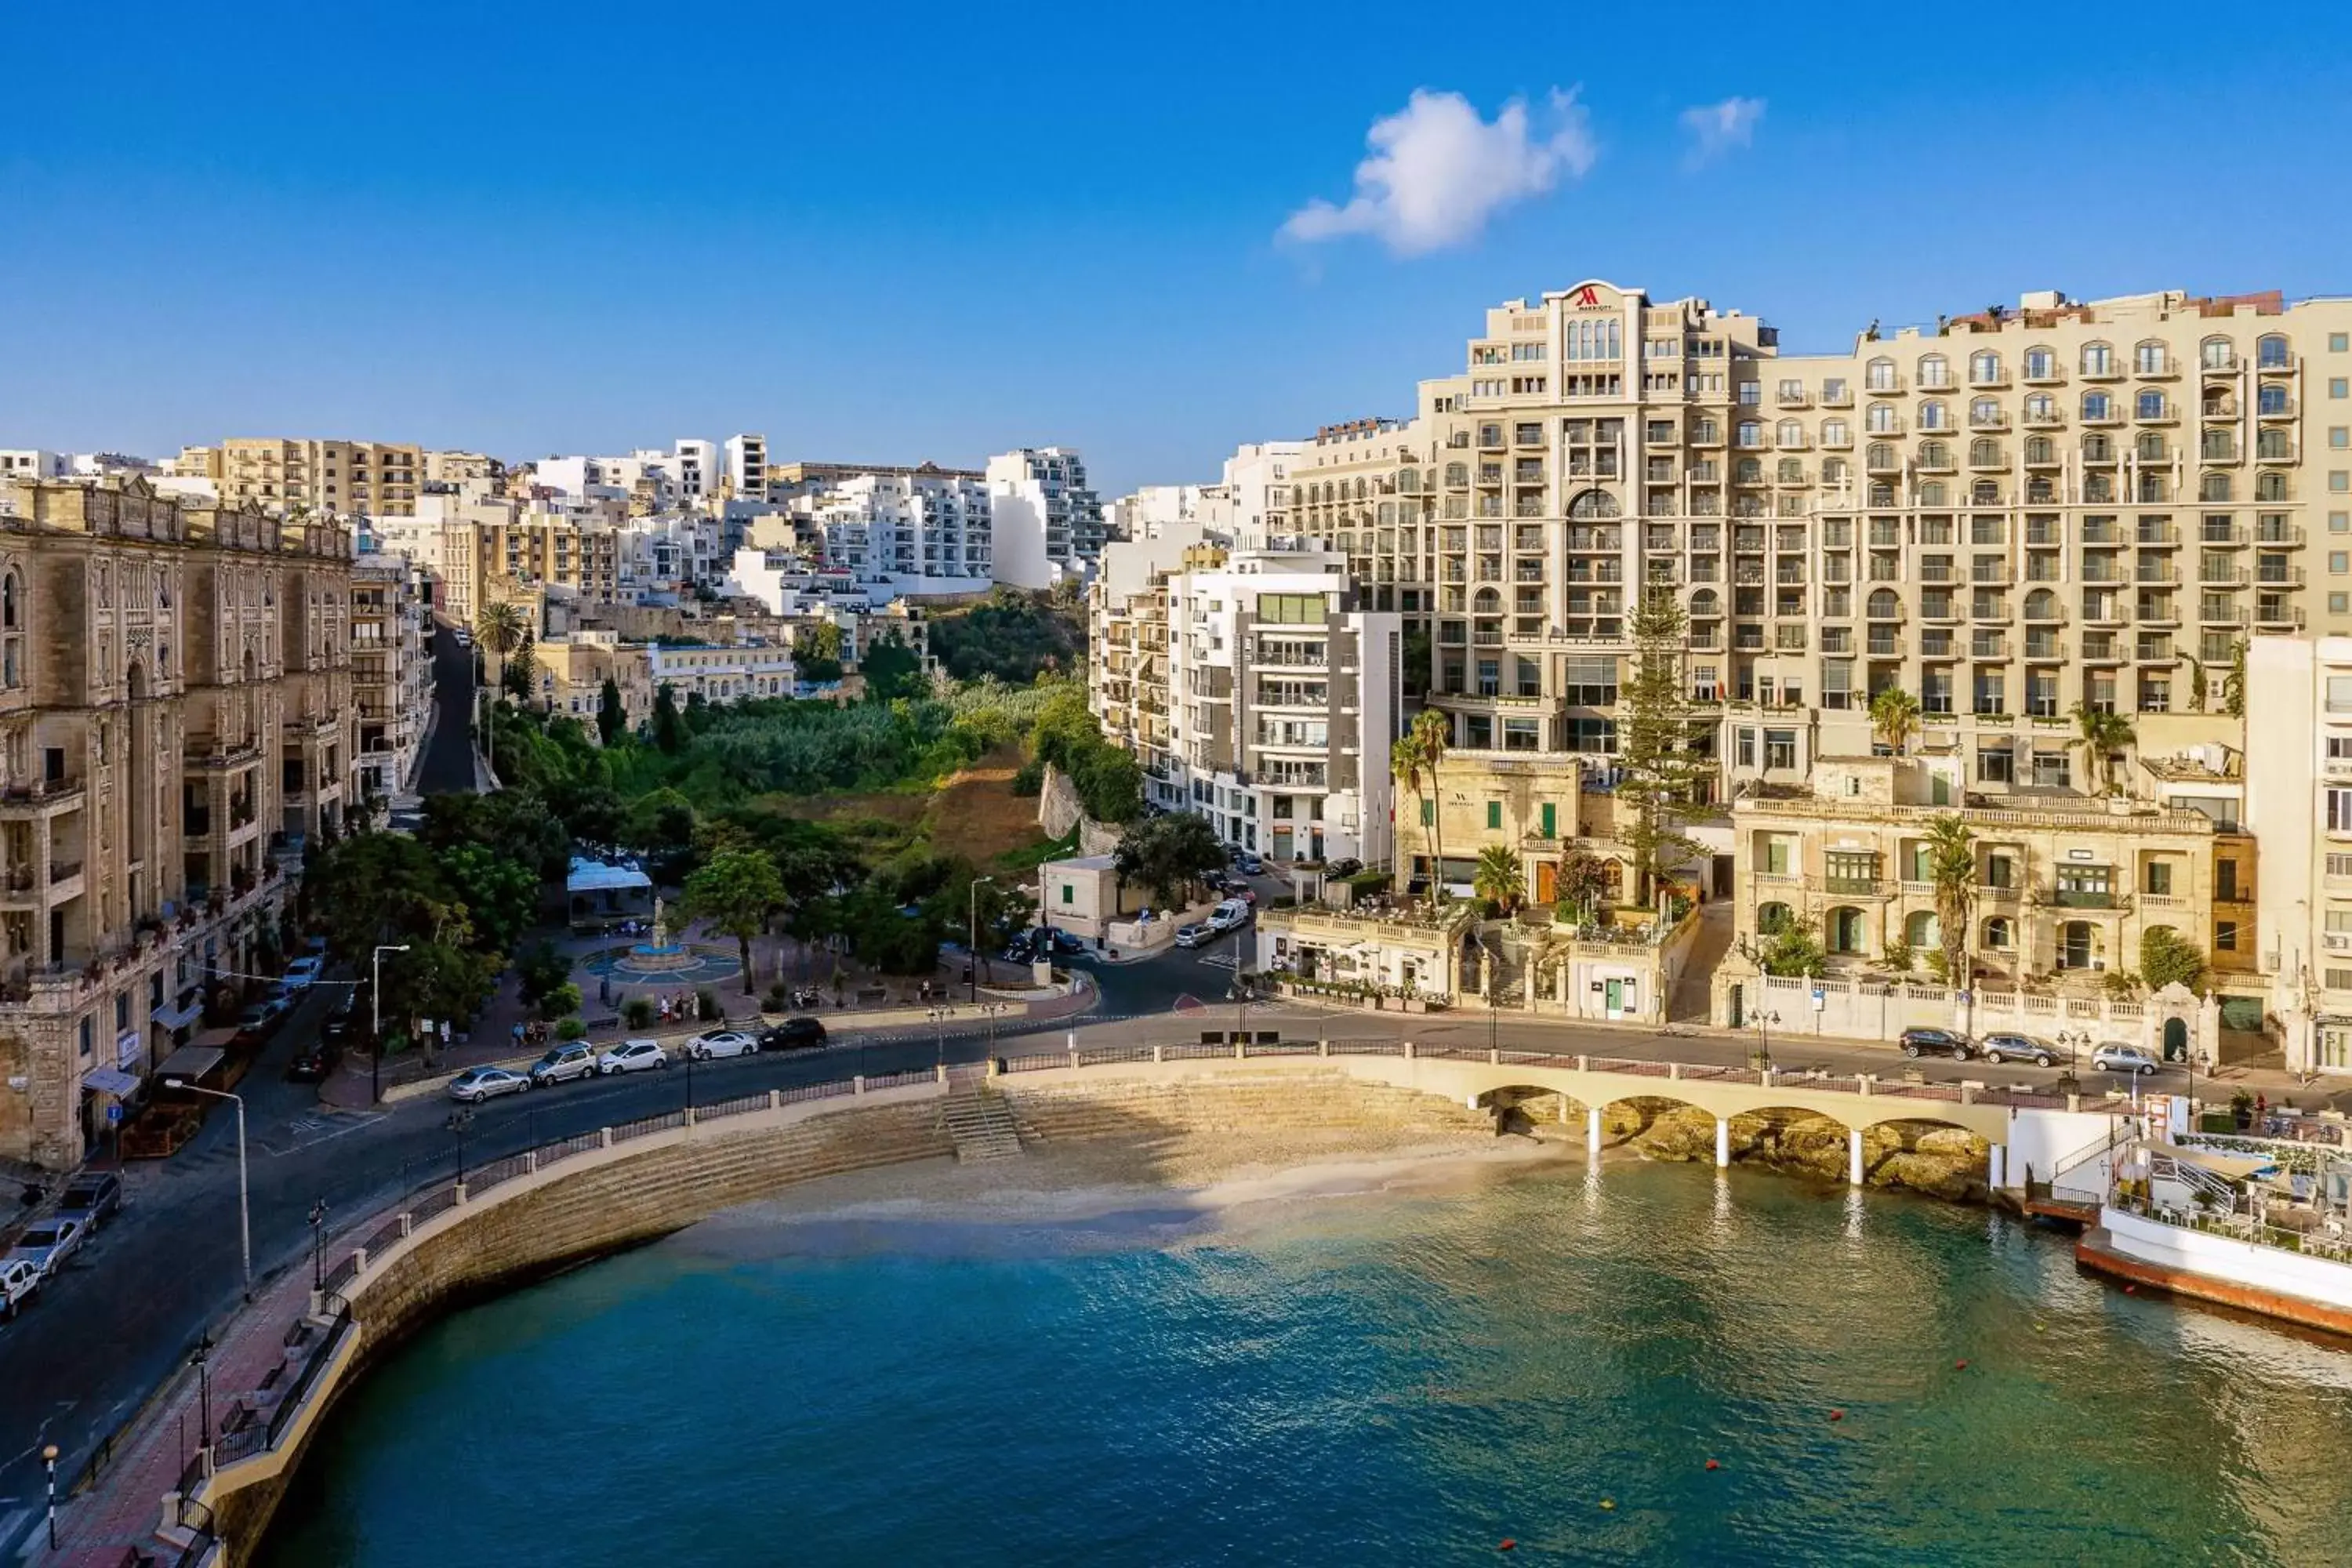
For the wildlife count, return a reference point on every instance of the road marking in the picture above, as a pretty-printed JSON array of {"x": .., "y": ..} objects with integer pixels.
[{"x": 309, "y": 1132}]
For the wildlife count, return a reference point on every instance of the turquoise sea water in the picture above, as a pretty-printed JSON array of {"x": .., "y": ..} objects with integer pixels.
[{"x": 1382, "y": 1378}]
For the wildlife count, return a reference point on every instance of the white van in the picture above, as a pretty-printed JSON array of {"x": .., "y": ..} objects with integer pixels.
[{"x": 1227, "y": 915}]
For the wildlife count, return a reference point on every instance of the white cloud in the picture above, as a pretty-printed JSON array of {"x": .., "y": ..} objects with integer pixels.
[
  {"x": 1437, "y": 172},
  {"x": 1716, "y": 129}
]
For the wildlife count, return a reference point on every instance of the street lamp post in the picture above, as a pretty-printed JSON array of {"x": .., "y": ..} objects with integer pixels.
[
  {"x": 201, "y": 1358},
  {"x": 244, "y": 1202},
  {"x": 939, "y": 1016},
  {"x": 971, "y": 920},
  {"x": 1764, "y": 1022},
  {"x": 458, "y": 1123},
  {"x": 318, "y": 1244},
  {"x": 375, "y": 1022}
]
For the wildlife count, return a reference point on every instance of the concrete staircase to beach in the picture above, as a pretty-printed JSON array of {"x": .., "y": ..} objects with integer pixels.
[{"x": 982, "y": 1125}]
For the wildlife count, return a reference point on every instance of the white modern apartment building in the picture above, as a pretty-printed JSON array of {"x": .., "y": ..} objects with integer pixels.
[
  {"x": 1270, "y": 694},
  {"x": 33, "y": 463},
  {"x": 1048, "y": 526},
  {"x": 903, "y": 534},
  {"x": 695, "y": 465},
  {"x": 744, "y": 461},
  {"x": 669, "y": 557},
  {"x": 1153, "y": 509},
  {"x": 2299, "y": 809}
]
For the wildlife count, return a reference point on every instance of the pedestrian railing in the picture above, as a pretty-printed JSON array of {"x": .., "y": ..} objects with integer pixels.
[
  {"x": 432, "y": 1204},
  {"x": 743, "y": 1105},
  {"x": 901, "y": 1080},
  {"x": 290, "y": 1402},
  {"x": 646, "y": 1126}
]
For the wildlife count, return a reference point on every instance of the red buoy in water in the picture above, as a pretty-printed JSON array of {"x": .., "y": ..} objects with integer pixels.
[
  {"x": 1713, "y": 1466},
  {"x": 1961, "y": 1365},
  {"x": 1508, "y": 1545},
  {"x": 1837, "y": 1415},
  {"x": 2131, "y": 1290}
]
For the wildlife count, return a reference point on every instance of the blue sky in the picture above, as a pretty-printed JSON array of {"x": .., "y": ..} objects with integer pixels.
[{"x": 891, "y": 232}]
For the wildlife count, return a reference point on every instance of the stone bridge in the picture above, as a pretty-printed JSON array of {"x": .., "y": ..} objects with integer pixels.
[{"x": 2044, "y": 1128}]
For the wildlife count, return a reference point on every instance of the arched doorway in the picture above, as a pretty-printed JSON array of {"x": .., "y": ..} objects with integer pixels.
[{"x": 2175, "y": 1039}]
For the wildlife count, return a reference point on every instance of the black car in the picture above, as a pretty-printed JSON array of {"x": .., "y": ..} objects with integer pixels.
[
  {"x": 311, "y": 1063},
  {"x": 793, "y": 1035},
  {"x": 2015, "y": 1048},
  {"x": 1938, "y": 1042},
  {"x": 91, "y": 1198}
]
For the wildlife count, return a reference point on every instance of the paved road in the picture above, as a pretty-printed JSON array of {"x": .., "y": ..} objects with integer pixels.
[{"x": 449, "y": 761}]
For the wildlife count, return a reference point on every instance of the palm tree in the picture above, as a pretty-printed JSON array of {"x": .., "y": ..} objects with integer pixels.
[
  {"x": 1952, "y": 867},
  {"x": 1498, "y": 877},
  {"x": 1434, "y": 732},
  {"x": 502, "y": 627},
  {"x": 1895, "y": 717},
  {"x": 1407, "y": 763},
  {"x": 2102, "y": 735}
]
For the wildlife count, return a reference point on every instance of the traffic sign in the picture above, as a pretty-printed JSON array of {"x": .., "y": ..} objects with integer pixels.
[{"x": 114, "y": 1113}]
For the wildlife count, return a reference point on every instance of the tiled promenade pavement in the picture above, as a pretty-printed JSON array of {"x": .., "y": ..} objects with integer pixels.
[{"x": 123, "y": 1506}]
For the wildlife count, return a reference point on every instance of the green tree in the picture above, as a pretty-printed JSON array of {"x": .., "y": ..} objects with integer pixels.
[
  {"x": 892, "y": 670},
  {"x": 816, "y": 653},
  {"x": 734, "y": 892},
  {"x": 611, "y": 716},
  {"x": 500, "y": 893},
  {"x": 501, "y": 626},
  {"x": 1432, "y": 731},
  {"x": 564, "y": 998},
  {"x": 670, "y": 728},
  {"x": 1895, "y": 717},
  {"x": 1952, "y": 867},
  {"x": 1419, "y": 658},
  {"x": 521, "y": 671},
  {"x": 2101, "y": 736},
  {"x": 1410, "y": 766},
  {"x": 1498, "y": 877},
  {"x": 2167, "y": 958},
  {"x": 540, "y": 969},
  {"x": 661, "y": 821},
  {"x": 1579, "y": 883},
  {"x": 1168, "y": 854},
  {"x": 1788, "y": 949},
  {"x": 884, "y": 936},
  {"x": 2198, "y": 688},
  {"x": 1662, "y": 770},
  {"x": 2234, "y": 684}
]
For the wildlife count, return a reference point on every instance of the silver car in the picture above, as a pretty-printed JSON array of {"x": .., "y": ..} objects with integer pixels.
[
  {"x": 475, "y": 1085},
  {"x": 2117, "y": 1057},
  {"x": 561, "y": 1064},
  {"x": 47, "y": 1245}
]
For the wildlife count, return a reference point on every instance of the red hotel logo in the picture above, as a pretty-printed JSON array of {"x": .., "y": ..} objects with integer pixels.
[{"x": 1586, "y": 297}]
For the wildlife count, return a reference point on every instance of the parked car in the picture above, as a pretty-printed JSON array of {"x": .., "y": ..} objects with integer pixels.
[
  {"x": 573, "y": 1059},
  {"x": 47, "y": 1245},
  {"x": 2010, "y": 1048},
  {"x": 93, "y": 1197},
  {"x": 793, "y": 1035},
  {"x": 1251, "y": 865},
  {"x": 475, "y": 1085},
  {"x": 722, "y": 1043},
  {"x": 1940, "y": 1042},
  {"x": 2113, "y": 1056},
  {"x": 1231, "y": 913},
  {"x": 1061, "y": 943},
  {"x": 633, "y": 1055},
  {"x": 1194, "y": 935},
  {"x": 18, "y": 1280},
  {"x": 312, "y": 1063},
  {"x": 1346, "y": 866},
  {"x": 303, "y": 974}
]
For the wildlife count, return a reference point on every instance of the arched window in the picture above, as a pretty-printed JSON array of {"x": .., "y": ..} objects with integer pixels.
[
  {"x": 1984, "y": 367},
  {"x": 2042, "y": 604},
  {"x": 1880, "y": 457},
  {"x": 1884, "y": 605},
  {"x": 1935, "y": 455},
  {"x": 1751, "y": 433},
  {"x": 1984, "y": 452},
  {"x": 1792, "y": 470},
  {"x": 1487, "y": 603},
  {"x": 2270, "y": 487},
  {"x": 2041, "y": 405},
  {"x": 2215, "y": 487},
  {"x": 1984, "y": 492},
  {"x": 1882, "y": 493},
  {"x": 2098, "y": 487},
  {"x": 2271, "y": 354},
  {"x": 1593, "y": 504},
  {"x": 2218, "y": 354},
  {"x": 1880, "y": 419},
  {"x": 2097, "y": 448},
  {"x": 2097, "y": 405},
  {"x": 1833, "y": 470},
  {"x": 1985, "y": 413},
  {"x": 1878, "y": 376},
  {"x": 12, "y": 594},
  {"x": 1835, "y": 433},
  {"x": 1934, "y": 370},
  {"x": 1848, "y": 931},
  {"x": 1457, "y": 474},
  {"x": 1702, "y": 431},
  {"x": 2150, "y": 358},
  {"x": 2151, "y": 485},
  {"x": 1749, "y": 472},
  {"x": 2038, "y": 450},
  {"x": 1999, "y": 935},
  {"x": 2099, "y": 358},
  {"x": 1922, "y": 931},
  {"x": 1935, "y": 414},
  {"x": 1932, "y": 493},
  {"x": 1408, "y": 481},
  {"x": 1704, "y": 604},
  {"x": 2148, "y": 446},
  {"x": 1789, "y": 433},
  {"x": 2272, "y": 399},
  {"x": 2151, "y": 404},
  {"x": 2040, "y": 364}
]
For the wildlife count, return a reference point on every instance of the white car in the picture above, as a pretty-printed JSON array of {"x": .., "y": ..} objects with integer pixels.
[
  {"x": 47, "y": 1245},
  {"x": 633, "y": 1055},
  {"x": 303, "y": 974},
  {"x": 475, "y": 1085},
  {"x": 722, "y": 1043},
  {"x": 2117, "y": 1057},
  {"x": 18, "y": 1280},
  {"x": 1194, "y": 935}
]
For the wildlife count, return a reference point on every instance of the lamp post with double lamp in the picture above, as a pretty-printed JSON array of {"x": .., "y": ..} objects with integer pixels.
[
  {"x": 938, "y": 1017},
  {"x": 972, "y": 932},
  {"x": 375, "y": 1021},
  {"x": 243, "y": 1204},
  {"x": 2071, "y": 1039}
]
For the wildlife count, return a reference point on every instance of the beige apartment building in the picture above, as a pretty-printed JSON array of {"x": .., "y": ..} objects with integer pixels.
[
  {"x": 348, "y": 478},
  {"x": 2004, "y": 512},
  {"x": 391, "y": 675},
  {"x": 573, "y": 670},
  {"x": 176, "y": 715},
  {"x": 2066, "y": 888},
  {"x": 543, "y": 550}
]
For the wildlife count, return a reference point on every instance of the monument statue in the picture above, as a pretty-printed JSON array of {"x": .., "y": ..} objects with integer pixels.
[{"x": 661, "y": 926}]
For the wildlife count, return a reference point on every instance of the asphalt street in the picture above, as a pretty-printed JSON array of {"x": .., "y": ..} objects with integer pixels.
[{"x": 448, "y": 767}]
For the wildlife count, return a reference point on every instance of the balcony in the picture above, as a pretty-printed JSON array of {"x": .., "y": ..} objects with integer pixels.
[{"x": 2083, "y": 899}]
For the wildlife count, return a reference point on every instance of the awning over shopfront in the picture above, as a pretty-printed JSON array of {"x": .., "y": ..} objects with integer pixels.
[
  {"x": 192, "y": 1063},
  {"x": 109, "y": 1080},
  {"x": 178, "y": 1017}
]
